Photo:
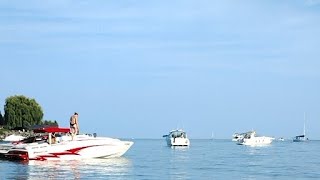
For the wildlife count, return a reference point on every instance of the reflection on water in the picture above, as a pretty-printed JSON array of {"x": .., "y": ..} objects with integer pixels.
[
  {"x": 77, "y": 169},
  {"x": 257, "y": 150},
  {"x": 180, "y": 148},
  {"x": 179, "y": 158}
]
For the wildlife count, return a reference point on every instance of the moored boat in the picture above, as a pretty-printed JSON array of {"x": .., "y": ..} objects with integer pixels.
[
  {"x": 177, "y": 138},
  {"x": 300, "y": 138},
  {"x": 13, "y": 137},
  {"x": 251, "y": 139},
  {"x": 303, "y": 137}
]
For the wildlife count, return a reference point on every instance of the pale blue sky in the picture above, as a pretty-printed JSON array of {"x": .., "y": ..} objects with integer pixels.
[{"x": 141, "y": 68}]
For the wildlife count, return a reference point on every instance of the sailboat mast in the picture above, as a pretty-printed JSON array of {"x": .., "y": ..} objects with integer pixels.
[{"x": 304, "y": 124}]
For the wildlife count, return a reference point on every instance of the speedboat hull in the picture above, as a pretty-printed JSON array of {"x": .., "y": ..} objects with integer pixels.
[
  {"x": 300, "y": 140},
  {"x": 83, "y": 148},
  {"x": 257, "y": 141},
  {"x": 5, "y": 148}
]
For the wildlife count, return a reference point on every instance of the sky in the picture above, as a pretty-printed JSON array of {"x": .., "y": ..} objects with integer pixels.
[{"x": 138, "y": 69}]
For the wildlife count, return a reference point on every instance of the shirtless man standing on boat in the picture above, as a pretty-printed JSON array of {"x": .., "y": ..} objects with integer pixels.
[{"x": 74, "y": 125}]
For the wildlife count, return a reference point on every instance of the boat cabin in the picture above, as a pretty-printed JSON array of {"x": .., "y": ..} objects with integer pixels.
[
  {"x": 300, "y": 138},
  {"x": 178, "y": 134}
]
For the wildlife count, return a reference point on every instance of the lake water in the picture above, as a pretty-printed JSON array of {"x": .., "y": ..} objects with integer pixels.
[{"x": 204, "y": 159}]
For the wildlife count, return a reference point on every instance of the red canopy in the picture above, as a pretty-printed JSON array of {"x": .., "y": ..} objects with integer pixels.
[{"x": 51, "y": 130}]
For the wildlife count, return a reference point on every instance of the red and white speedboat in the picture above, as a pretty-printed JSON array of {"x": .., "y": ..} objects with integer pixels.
[{"x": 62, "y": 147}]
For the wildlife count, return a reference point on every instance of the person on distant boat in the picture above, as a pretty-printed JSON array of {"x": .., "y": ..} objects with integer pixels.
[{"x": 74, "y": 125}]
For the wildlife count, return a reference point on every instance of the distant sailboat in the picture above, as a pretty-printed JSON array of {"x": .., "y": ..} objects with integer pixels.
[
  {"x": 303, "y": 137},
  {"x": 212, "y": 135}
]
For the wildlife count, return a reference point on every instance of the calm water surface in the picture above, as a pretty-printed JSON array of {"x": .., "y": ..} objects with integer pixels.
[{"x": 204, "y": 159}]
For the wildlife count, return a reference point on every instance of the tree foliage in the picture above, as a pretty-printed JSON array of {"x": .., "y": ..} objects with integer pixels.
[
  {"x": 1, "y": 119},
  {"x": 20, "y": 111},
  {"x": 50, "y": 123}
]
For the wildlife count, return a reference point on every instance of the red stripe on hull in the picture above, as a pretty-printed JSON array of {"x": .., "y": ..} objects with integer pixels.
[{"x": 22, "y": 155}]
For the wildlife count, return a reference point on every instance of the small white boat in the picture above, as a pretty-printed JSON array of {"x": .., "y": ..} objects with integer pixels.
[
  {"x": 13, "y": 137},
  {"x": 251, "y": 139},
  {"x": 83, "y": 146},
  {"x": 177, "y": 138}
]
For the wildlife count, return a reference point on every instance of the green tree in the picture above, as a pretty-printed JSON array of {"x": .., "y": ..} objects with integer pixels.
[
  {"x": 1, "y": 119},
  {"x": 20, "y": 111},
  {"x": 51, "y": 123}
]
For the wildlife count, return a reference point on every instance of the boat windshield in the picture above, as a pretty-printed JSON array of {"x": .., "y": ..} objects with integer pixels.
[
  {"x": 301, "y": 137},
  {"x": 32, "y": 139}
]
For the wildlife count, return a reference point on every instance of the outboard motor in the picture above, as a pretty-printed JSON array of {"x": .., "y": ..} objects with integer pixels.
[{"x": 94, "y": 134}]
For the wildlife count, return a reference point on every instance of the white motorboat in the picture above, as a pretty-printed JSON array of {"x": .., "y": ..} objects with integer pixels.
[
  {"x": 251, "y": 139},
  {"x": 62, "y": 147},
  {"x": 13, "y": 137},
  {"x": 177, "y": 138}
]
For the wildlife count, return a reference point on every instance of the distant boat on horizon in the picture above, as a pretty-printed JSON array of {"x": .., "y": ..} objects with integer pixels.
[
  {"x": 303, "y": 137},
  {"x": 212, "y": 135}
]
